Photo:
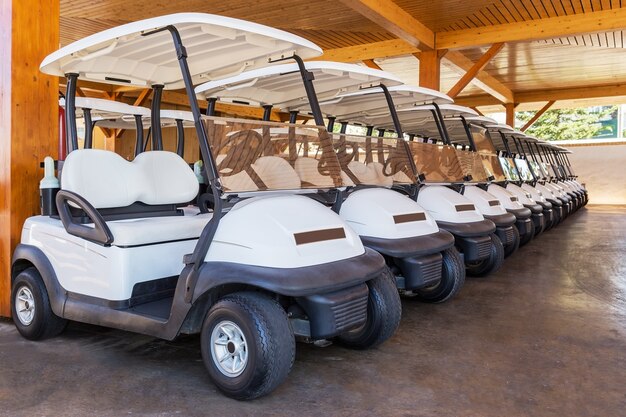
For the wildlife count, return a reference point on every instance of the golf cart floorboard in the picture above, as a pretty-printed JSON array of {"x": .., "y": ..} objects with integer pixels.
[{"x": 159, "y": 309}]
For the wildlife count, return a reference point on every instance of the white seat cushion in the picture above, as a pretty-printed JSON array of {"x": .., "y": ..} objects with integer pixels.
[
  {"x": 381, "y": 179},
  {"x": 306, "y": 168},
  {"x": 133, "y": 232},
  {"x": 276, "y": 173},
  {"x": 370, "y": 173}
]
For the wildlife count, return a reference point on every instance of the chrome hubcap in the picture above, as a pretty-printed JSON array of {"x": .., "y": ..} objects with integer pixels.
[
  {"x": 229, "y": 349},
  {"x": 25, "y": 306}
]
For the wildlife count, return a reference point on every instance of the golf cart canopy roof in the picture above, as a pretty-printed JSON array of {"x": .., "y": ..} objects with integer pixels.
[
  {"x": 282, "y": 85},
  {"x": 135, "y": 55},
  {"x": 420, "y": 120},
  {"x": 168, "y": 119},
  {"x": 360, "y": 106},
  {"x": 101, "y": 108}
]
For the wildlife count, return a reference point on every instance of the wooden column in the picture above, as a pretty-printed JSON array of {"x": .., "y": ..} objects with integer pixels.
[
  {"x": 430, "y": 68},
  {"x": 29, "y": 30},
  {"x": 510, "y": 113}
]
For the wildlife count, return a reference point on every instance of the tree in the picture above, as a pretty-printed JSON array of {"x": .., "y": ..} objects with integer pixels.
[{"x": 563, "y": 124}]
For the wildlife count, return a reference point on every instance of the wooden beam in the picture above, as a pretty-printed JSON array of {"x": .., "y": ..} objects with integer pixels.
[
  {"x": 510, "y": 113},
  {"x": 552, "y": 27},
  {"x": 394, "y": 19},
  {"x": 29, "y": 112},
  {"x": 475, "y": 69},
  {"x": 382, "y": 49},
  {"x": 537, "y": 115},
  {"x": 460, "y": 63},
  {"x": 477, "y": 111},
  {"x": 371, "y": 64},
  {"x": 556, "y": 94},
  {"x": 429, "y": 69}
]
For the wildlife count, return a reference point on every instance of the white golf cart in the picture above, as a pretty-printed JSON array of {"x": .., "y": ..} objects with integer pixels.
[
  {"x": 422, "y": 257},
  {"x": 434, "y": 173},
  {"x": 247, "y": 275}
]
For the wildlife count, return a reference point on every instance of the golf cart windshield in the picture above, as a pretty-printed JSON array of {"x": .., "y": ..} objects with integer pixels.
[
  {"x": 373, "y": 160},
  {"x": 537, "y": 169},
  {"x": 481, "y": 139},
  {"x": 524, "y": 170},
  {"x": 261, "y": 156},
  {"x": 508, "y": 165},
  {"x": 437, "y": 163}
]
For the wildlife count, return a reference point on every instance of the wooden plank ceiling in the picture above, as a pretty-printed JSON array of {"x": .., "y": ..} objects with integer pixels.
[{"x": 528, "y": 63}]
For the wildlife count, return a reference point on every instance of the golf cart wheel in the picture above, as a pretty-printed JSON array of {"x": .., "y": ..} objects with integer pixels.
[
  {"x": 452, "y": 279},
  {"x": 526, "y": 238},
  {"x": 384, "y": 311},
  {"x": 513, "y": 246},
  {"x": 30, "y": 307},
  {"x": 492, "y": 263},
  {"x": 247, "y": 344}
]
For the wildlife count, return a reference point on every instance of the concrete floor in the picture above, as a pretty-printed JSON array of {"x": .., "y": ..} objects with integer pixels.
[{"x": 546, "y": 336}]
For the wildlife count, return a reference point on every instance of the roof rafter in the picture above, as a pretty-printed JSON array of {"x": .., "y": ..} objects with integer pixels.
[
  {"x": 382, "y": 49},
  {"x": 396, "y": 20},
  {"x": 556, "y": 94},
  {"x": 551, "y": 27}
]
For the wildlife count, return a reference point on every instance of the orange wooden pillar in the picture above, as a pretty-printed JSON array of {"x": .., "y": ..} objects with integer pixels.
[
  {"x": 29, "y": 30},
  {"x": 510, "y": 113},
  {"x": 430, "y": 68}
]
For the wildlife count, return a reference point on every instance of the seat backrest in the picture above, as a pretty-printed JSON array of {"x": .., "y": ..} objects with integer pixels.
[
  {"x": 381, "y": 178},
  {"x": 276, "y": 173},
  {"x": 107, "y": 180},
  {"x": 370, "y": 173},
  {"x": 306, "y": 168}
]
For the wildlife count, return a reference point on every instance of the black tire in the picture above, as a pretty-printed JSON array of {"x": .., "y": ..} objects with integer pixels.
[
  {"x": 43, "y": 323},
  {"x": 452, "y": 279},
  {"x": 384, "y": 310},
  {"x": 492, "y": 263},
  {"x": 526, "y": 238},
  {"x": 512, "y": 247},
  {"x": 269, "y": 343}
]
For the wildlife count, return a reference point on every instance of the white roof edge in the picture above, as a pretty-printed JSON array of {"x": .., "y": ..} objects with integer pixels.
[
  {"x": 100, "y": 104},
  {"x": 443, "y": 107},
  {"x": 483, "y": 120},
  {"x": 177, "y": 115},
  {"x": 401, "y": 88},
  {"x": 273, "y": 70}
]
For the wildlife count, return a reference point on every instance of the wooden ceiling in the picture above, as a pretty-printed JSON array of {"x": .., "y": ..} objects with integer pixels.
[{"x": 557, "y": 46}]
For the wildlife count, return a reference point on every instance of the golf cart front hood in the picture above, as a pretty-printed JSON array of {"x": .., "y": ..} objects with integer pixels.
[
  {"x": 387, "y": 214},
  {"x": 285, "y": 231}
]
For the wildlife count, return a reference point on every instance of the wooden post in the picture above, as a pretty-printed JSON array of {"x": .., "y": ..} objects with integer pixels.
[
  {"x": 430, "y": 68},
  {"x": 29, "y": 109},
  {"x": 510, "y": 113}
]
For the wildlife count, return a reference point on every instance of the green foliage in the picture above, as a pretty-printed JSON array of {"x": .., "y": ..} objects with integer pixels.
[{"x": 564, "y": 124}]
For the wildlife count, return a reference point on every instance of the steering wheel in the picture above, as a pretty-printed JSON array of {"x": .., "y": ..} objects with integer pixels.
[{"x": 245, "y": 148}]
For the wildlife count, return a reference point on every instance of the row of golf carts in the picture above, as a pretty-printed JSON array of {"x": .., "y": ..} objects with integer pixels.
[{"x": 282, "y": 230}]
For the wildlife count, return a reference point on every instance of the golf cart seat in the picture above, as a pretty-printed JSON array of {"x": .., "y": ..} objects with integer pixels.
[
  {"x": 105, "y": 185},
  {"x": 273, "y": 172},
  {"x": 306, "y": 168},
  {"x": 276, "y": 173},
  {"x": 370, "y": 173}
]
